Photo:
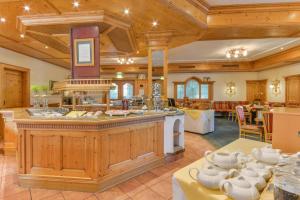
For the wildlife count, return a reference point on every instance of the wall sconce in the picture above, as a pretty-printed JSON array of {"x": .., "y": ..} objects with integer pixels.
[
  {"x": 119, "y": 75},
  {"x": 230, "y": 89},
  {"x": 275, "y": 86}
]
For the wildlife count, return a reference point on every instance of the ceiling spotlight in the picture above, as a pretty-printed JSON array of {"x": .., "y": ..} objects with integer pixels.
[
  {"x": 27, "y": 8},
  {"x": 2, "y": 20},
  {"x": 76, "y": 4},
  {"x": 282, "y": 48},
  {"x": 22, "y": 35},
  {"x": 46, "y": 47},
  {"x": 126, "y": 11},
  {"x": 154, "y": 23}
]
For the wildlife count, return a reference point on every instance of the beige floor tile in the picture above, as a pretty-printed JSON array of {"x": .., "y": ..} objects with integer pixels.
[
  {"x": 71, "y": 195},
  {"x": 132, "y": 187},
  {"x": 163, "y": 188},
  {"x": 58, "y": 196},
  {"x": 146, "y": 177},
  {"x": 147, "y": 195},
  {"x": 113, "y": 193},
  {"x": 11, "y": 189},
  {"x": 38, "y": 194},
  {"x": 24, "y": 195}
]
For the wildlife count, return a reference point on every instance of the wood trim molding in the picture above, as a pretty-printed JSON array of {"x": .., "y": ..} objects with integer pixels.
[{"x": 71, "y": 125}]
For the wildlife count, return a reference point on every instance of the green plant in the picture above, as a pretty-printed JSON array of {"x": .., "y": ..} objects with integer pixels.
[{"x": 35, "y": 88}]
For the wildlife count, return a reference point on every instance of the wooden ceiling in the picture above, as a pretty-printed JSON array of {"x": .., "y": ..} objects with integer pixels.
[{"x": 188, "y": 20}]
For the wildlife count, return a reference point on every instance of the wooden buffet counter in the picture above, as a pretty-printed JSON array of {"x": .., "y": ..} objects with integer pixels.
[{"x": 87, "y": 155}]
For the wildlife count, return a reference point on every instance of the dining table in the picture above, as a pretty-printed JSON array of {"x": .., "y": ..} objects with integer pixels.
[{"x": 186, "y": 188}]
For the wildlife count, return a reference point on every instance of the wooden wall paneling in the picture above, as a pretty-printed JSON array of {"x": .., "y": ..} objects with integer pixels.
[
  {"x": 119, "y": 146},
  {"x": 292, "y": 91},
  {"x": 256, "y": 89},
  {"x": 17, "y": 79}
]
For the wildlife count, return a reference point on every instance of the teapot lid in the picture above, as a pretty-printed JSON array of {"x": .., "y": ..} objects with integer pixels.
[
  {"x": 250, "y": 172},
  {"x": 210, "y": 170},
  {"x": 240, "y": 181}
]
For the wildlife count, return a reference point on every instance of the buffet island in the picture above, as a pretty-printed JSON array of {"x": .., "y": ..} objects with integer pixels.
[{"x": 87, "y": 154}]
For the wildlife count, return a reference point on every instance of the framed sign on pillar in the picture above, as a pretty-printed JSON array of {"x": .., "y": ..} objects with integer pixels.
[{"x": 85, "y": 52}]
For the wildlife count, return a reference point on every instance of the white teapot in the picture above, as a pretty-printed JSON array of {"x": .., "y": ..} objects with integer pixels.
[
  {"x": 254, "y": 178},
  {"x": 224, "y": 160},
  {"x": 210, "y": 176},
  {"x": 261, "y": 168},
  {"x": 267, "y": 155},
  {"x": 239, "y": 189}
]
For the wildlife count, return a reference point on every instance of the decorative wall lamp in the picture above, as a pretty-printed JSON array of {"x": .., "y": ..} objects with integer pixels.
[
  {"x": 275, "y": 86},
  {"x": 119, "y": 75},
  {"x": 230, "y": 89}
]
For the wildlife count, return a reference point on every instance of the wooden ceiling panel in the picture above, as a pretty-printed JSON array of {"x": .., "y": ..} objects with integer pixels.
[{"x": 120, "y": 39}]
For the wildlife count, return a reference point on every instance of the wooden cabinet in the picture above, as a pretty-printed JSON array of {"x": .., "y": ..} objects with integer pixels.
[
  {"x": 292, "y": 94},
  {"x": 256, "y": 90}
]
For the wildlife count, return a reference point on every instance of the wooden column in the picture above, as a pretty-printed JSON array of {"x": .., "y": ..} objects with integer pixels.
[
  {"x": 165, "y": 70},
  {"x": 149, "y": 93},
  {"x": 158, "y": 41}
]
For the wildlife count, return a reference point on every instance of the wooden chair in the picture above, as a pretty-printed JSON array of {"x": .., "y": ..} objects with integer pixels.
[
  {"x": 247, "y": 114},
  {"x": 251, "y": 131},
  {"x": 268, "y": 126}
]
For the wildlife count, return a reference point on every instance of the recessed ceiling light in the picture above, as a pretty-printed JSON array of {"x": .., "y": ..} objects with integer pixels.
[
  {"x": 22, "y": 36},
  {"x": 282, "y": 48},
  {"x": 27, "y": 8},
  {"x": 2, "y": 20},
  {"x": 126, "y": 11},
  {"x": 46, "y": 47},
  {"x": 76, "y": 4},
  {"x": 154, "y": 23}
]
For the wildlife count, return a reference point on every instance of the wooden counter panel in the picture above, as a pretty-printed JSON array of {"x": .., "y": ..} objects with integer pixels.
[{"x": 105, "y": 157}]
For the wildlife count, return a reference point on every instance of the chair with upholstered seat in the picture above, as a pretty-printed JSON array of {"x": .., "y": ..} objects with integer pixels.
[
  {"x": 267, "y": 119},
  {"x": 248, "y": 130}
]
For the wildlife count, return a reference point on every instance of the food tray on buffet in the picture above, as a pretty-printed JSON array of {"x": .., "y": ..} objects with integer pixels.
[{"x": 244, "y": 177}]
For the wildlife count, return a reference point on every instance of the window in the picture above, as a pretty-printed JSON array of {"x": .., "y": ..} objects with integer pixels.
[
  {"x": 192, "y": 89},
  {"x": 180, "y": 91},
  {"x": 114, "y": 92},
  {"x": 127, "y": 91},
  {"x": 204, "y": 91}
]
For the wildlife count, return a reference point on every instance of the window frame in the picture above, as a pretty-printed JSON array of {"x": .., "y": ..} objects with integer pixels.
[{"x": 200, "y": 82}]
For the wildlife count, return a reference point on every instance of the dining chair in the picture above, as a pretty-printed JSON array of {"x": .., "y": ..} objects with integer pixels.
[
  {"x": 247, "y": 130},
  {"x": 247, "y": 113},
  {"x": 268, "y": 126}
]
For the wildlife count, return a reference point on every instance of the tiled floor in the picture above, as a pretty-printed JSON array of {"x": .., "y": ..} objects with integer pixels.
[{"x": 152, "y": 185}]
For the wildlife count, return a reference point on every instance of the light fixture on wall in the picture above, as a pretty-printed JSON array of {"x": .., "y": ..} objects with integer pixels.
[
  {"x": 230, "y": 89},
  {"x": 275, "y": 86},
  {"x": 125, "y": 60},
  {"x": 236, "y": 52},
  {"x": 119, "y": 75}
]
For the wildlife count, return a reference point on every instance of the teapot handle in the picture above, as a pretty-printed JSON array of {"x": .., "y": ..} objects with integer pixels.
[
  {"x": 190, "y": 173},
  {"x": 233, "y": 173},
  {"x": 206, "y": 154},
  {"x": 224, "y": 186}
]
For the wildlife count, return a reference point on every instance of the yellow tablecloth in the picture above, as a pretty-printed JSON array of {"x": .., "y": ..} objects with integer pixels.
[
  {"x": 194, "y": 190},
  {"x": 194, "y": 114}
]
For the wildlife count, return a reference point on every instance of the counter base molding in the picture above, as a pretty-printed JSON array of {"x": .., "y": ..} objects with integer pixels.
[{"x": 89, "y": 157}]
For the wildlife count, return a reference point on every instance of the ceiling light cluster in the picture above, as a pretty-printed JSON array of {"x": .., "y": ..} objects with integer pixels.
[
  {"x": 236, "y": 53},
  {"x": 125, "y": 60}
]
